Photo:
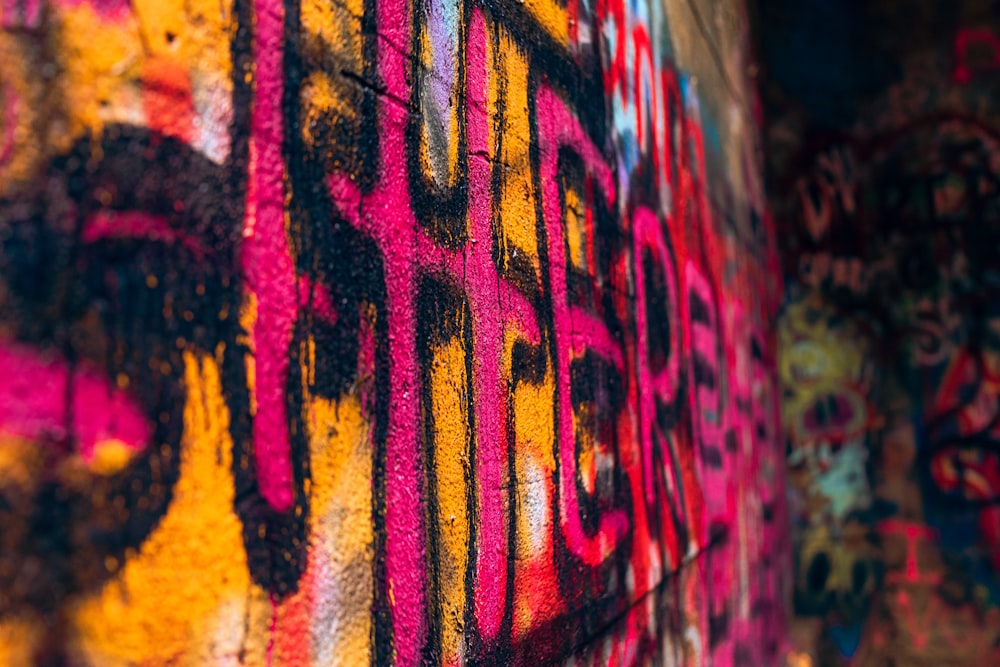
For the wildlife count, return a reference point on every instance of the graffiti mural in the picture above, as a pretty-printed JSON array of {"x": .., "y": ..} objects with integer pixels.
[
  {"x": 888, "y": 362},
  {"x": 826, "y": 381},
  {"x": 388, "y": 331}
]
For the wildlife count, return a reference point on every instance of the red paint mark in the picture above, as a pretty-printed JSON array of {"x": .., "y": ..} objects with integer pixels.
[
  {"x": 912, "y": 532},
  {"x": 643, "y": 54},
  {"x": 167, "y": 98},
  {"x": 936, "y": 615},
  {"x": 670, "y": 98},
  {"x": 980, "y": 37},
  {"x": 572, "y": 19},
  {"x": 271, "y": 631},
  {"x": 615, "y": 74},
  {"x": 108, "y": 224}
]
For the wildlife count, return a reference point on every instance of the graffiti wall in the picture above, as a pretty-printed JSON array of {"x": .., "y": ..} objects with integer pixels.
[
  {"x": 889, "y": 354},
  {"x": 385, "y": 331}
]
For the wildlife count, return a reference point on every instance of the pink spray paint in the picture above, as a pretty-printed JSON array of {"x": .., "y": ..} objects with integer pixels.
[
  {"x": 705, "y": 380},
  {"x": 495, "y": 304},
  {"x": 46, "y": 400},
  {"x": 267, "y": 263},
  {"x": 981, "y": 37},
  {"x": 575, "y": 330},
  {"x": 656, "y": 386}
]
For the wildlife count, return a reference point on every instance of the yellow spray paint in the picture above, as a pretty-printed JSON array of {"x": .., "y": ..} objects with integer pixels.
[
  {"x": 335, "y": 28},
  {"x": 183, "y": 598},
  {"x": 450, "y": 397},
  {"x": 517, "y": 195}
]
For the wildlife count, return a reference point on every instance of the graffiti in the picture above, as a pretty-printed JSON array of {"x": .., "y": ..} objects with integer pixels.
[
  {"x": 826, "y": 381},
  {"x": 926, "y": 610},
  {"x": 891, "y": 263},
  {"x": 826, "y": 369},
  {"x": 407, "y": 332},
  {"x": 975, "y": 41}
]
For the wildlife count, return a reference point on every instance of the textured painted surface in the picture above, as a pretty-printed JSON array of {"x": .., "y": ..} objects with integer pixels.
[
  {"x": 388, "y": 331},
  {"x": 890, "y": 212}
]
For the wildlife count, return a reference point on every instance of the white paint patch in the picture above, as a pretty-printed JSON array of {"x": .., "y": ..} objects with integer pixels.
[
  {"x": 536, "y": 507},
  {"x": 214, "y": 114},
  {"x": 228, "y": 632}
]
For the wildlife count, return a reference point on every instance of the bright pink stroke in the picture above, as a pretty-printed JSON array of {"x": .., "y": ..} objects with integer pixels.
[{"x": 45, "y": 399}]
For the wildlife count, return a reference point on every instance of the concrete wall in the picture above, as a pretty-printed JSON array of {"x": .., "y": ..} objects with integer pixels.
[
  {"x": 388, "y": 331},
  {"x": 889, "y": 206}
]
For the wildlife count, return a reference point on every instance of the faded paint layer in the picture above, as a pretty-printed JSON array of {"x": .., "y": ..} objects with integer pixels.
[{"x": 889, "y": 206}]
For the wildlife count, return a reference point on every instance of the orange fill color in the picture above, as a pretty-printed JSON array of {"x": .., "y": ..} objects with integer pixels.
[{"x": 167, "y": 98}]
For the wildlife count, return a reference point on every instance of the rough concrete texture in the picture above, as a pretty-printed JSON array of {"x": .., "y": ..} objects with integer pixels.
[{"x": 385, "y": 331}]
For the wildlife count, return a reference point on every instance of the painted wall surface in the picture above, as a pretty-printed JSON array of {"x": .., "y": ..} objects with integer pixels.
[
  {"x": 889, "y": 348},
  {"x": 385, "y": 331}
]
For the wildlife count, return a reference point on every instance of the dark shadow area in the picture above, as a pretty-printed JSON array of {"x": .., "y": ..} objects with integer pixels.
[{"x": 883, "y": 163}]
